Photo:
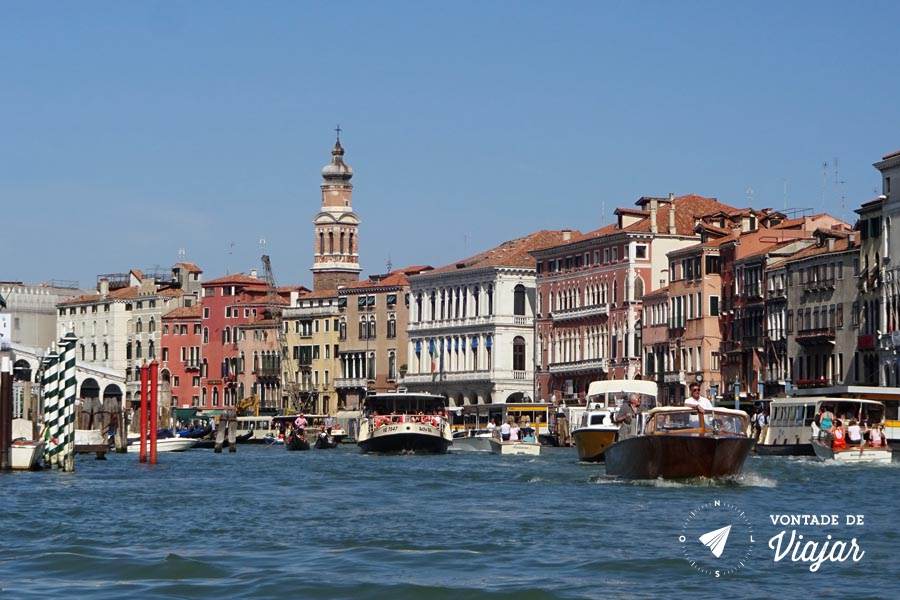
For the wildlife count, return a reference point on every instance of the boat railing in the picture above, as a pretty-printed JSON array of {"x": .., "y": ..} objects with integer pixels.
[{"x": 377, "y": 421}]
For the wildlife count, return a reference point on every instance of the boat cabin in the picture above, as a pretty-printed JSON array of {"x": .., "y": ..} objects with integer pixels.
[{"x": 682, "y": 420}]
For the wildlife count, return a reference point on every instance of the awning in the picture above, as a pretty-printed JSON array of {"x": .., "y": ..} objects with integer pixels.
[
  {"x": 342, "y": 301},
  {"x": 361, "y": 301},
  {"x": 392, "y": 298}
]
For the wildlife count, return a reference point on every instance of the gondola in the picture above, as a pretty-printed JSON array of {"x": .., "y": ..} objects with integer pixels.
[
  {"x": 325, "y": 441},
  {"x": 294, "y": 442}
]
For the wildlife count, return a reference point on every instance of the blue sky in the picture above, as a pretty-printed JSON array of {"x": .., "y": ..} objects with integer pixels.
[{"x": 131, "y": 130}]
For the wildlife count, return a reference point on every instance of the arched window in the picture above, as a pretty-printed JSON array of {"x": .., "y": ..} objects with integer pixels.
[
  {"x": 370, "y": 366},
  {"x": 342, "y": 242},
  {"x": 137, "y": 350},
  {"x": 351, "y": 246},
  {"x": 343, "y": 330},
  {"x": 433, "y": 305},
  {"x": 330, "y": 242},
  {"x": 321, "y": 243},
  {"x": 151, "y": 349},
  {"x": 518, "y": 353},
  {"x": 139, "y": 326},
  {"x": 475, "y": 299},
  {"x": 215, "y": 396},
  {"x": 419, "y": 307},
  {"x": 490, "y": 300},
  {"x": 392, "y": 327},
  {"x": 206, "y": 335},
  {"x": 152, "y": 326},
  {"x": 392, "y": 365},
  {"x": 519, "y": 300}
]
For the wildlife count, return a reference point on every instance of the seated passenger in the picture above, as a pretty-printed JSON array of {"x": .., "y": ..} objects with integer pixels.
[
  {"x": 854, "y": 433},
  {"x": 838, "y": 441},
  {"x": 876, "y": 436}
]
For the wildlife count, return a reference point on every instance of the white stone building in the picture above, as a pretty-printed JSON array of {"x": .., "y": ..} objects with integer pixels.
[{"x": 471, "y": 330}]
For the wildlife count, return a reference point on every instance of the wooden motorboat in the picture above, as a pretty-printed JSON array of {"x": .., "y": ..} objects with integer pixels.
[
  {"x": 515, "y": 447},
  {"x": 676, "y": 442},
  {"x": 405, "y": 422},
  {"x": 294, "y": 441},
  {"x": 857, "y": 454}
]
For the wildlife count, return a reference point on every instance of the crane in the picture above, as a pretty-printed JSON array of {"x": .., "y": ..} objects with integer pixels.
[{"x": 290, "y": 387}]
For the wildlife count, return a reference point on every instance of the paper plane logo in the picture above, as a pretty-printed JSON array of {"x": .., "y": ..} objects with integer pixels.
[
  {"x": 708, "y": 529},
  {"x": 716, "y": 540}
]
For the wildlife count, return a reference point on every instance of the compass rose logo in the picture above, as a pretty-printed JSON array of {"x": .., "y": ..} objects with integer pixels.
[{"x": 717, "y": 538}]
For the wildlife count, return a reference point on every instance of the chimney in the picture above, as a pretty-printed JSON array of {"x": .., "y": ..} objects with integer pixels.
[
  {"x": 253, "y": 273},
  {"x": 851, "y": 237},
  {"x": 671, "y": 213},
  {"x": 566, "y": 235},
  {"x": 654, "y": 208},
  {"x": 104, "y": 287},
  {"x": 831, "y": 244}
]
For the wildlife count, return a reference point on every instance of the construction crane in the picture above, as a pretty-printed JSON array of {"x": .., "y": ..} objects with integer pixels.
[{"x": 290, "y": 387}]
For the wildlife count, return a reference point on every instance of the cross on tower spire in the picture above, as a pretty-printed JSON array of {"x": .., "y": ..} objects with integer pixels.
[{"x": 338, "y": 129}]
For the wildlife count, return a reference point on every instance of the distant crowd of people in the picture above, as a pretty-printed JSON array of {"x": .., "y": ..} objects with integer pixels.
[{"x": 856, "y": 433}]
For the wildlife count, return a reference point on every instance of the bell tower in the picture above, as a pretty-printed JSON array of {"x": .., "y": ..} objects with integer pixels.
[{"x": 336, "y": 253}]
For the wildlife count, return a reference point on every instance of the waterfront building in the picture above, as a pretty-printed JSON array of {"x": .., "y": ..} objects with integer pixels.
[
  {"x": 181, "y": 359},
  {"x": 32, "y": 310},
  {"x": 889, "y": 342},
  {"x": 591, "y": 288},
  {"x": 471, "y": 330},
  {"x": 229, "y": 304},
  {"x": 872, "y": 296},
  {"x": 311, "y": 324},
  {"x": 374, "y": 315},
  {"x": 118, "y": 326},
  {"x": 744, "y": 260},
  {"x": 655, "y": 338},
  {"x": 822, "y": 322}
]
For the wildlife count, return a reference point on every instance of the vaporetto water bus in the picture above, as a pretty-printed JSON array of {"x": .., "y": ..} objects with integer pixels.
[
  {"x": 597, "y": 430},
  {"x": 789, "y": 431},
  {"x": 405, "y": 422}
]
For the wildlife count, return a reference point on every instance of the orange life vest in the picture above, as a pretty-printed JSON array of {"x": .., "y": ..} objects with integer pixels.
[{"x": 839, "y": 441}]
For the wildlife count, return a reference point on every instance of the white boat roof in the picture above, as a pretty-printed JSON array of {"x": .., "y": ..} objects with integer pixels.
[
  {"x": 838, "y": 400},
  {"x": 606, "y": 386},
  {"x": 792, "y": 401},
  {"x": 715, "y": 410}
]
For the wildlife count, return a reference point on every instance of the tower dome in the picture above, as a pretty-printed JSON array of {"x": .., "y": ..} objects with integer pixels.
[{"x": 337, "y": 171}]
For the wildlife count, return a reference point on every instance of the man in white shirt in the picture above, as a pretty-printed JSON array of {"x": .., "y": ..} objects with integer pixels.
[
  {"x": 504, "y": 431},
  {"x": 696, "y": 400}
]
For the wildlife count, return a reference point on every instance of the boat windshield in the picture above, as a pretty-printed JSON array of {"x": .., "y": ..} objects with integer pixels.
[
  {"x": 682, "y": 420},
  {"x": 618, "y": 398}
]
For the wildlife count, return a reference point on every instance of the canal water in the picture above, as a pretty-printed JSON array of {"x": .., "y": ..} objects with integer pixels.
[{"x": 266, "y": 523}]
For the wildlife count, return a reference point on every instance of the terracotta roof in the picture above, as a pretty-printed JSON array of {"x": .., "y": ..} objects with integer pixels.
[
  {"x": 185, "y": 312},
  {"x": 81, "y": 299},
  {"x": 658, "y": 292},
  {"x": 316, "y": 294},
  {"x": 891, "y": 155},
  {"x": 171, "y": 292},
  {"x": 688, "y": 209},
  {"x": 842, "y": 245},
  {"x": 128, "y": 293},
  {"x": 189, "y": 267},
  {"x": 137, "y": 273},
  {"x": 514, "y": 253},
  {"x": 237, "y": 278}
]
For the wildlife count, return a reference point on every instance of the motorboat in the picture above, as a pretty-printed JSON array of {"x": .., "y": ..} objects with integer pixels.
[
  {"x": 472, "y": 440},
  {"x": 166, "y": 441},
  {"x": 597, "y": 429},
  {"x": 789, "y": 429},
  {"x": 680, "y": 442},
  {"x": 406, "y": 422},
  {"x": 869, "y": 414},
  {"x": 527, "y": 446},
  {"x": 26, "y": 455}
]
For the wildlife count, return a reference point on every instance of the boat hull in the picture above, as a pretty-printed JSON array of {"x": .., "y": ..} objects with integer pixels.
[
  {"x": 852, "y": 454},
  {"x": 324, "y": 443},
  {"x": 295, "y": 443},
  {"x": 25, "y": 455},
  {"x": 404, "y": 437},
  {"x": 677, "y": 456},
  {"x": 165, "y": 445},
  {"x": 785, "y": 449},
  {"x": 477, "y": 443},
  {"x": 515, "y": 448},
  {"x": 591, "y": 444}
]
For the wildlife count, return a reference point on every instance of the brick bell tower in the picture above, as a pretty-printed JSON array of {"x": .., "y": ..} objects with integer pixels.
[{"x": 336, "y": 252}]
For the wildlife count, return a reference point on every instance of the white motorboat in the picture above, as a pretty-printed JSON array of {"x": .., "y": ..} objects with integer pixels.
[
  {"x": 515, "y": 447},
  {"x": 472, "y": 440},
  {"x": 870, "y": 413},
  {"x": 167, "y": 444},
  {"x": 25, "y": 454},
  {"x": 597, "y": 430},
  {"x": 405, "y": 422}
]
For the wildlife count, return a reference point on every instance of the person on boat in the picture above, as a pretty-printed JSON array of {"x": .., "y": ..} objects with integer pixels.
[
  {"x": 838, "y": 436},
  {"x": 514, "y": 431},
  {"x": 505, "y": 432},
  {"x": 328, "y": 422},
  {"x": 491, "y": 425},
  {"x": 626, "y": 415},
  {"x": 697, "y": 401},
  {"x": 854, "y": 433},
  {"x": 876, "y": 436},
  {"x": 300, "y": 424},
  {"x": 826, "y": 422}
]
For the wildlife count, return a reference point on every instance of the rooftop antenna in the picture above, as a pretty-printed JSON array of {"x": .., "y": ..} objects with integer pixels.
[
  {"x": 390, "y": 265},
  {"x": 262, "y": 245},
  {"x": 181, "y": 254},
  {"x": 839, "y": 182},
  {"x": 230, "y": 252},
  {"x": 824, "y": 179},
  {"x": 784, "y": 181},
  {"x": 750, "y": 197}
]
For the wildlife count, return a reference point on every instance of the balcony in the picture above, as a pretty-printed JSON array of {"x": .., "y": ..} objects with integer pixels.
[
  {"x": 191, "y": 365},
  {"x": 730, "y": 346},
  {"x": 753, "y": 342},
  {"x": 577, "y": 367},
  {"x": 813, "y": 383},
  {"x": 344, "y": 383},
  {"x": 268, "y": 372},
  {"x": 777, "y": 293},
  {"x": 826, "y": 283},
  {"x": 773, "y": 376},
  {"x": 815, "y": 337},
  {"x": 582, "y": 312},
  {"x": 674, "y": 377}
]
